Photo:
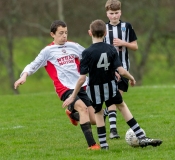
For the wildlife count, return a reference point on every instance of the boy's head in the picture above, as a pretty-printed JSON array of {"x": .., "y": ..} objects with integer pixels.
[
  {"x": 58, "y": 31},
  {"x": 113, "y": 11},
  {"x": 113, "y": 5},
  {"x": 97, "y": 29},
  {"x": 56, "y": 24}
]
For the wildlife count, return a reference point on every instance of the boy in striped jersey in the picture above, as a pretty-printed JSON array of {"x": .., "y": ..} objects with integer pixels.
[
  {"x": 122, "y": 36},
  {"x": 100, "y": 61}
]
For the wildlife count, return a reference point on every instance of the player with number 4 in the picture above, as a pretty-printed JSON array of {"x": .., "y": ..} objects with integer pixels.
[{"x": 100, "y": 61}]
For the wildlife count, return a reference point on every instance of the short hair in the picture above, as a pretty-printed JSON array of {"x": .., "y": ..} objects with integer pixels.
[
  {"x": 113, "y": 5},
  {"x": 98, "y": 28},
  {"x": 55, "y": 24}
]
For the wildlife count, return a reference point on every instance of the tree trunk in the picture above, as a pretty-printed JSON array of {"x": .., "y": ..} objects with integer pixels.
[
  {"x": 9, "y": 63},
  {"x": 60, "y": 10}
]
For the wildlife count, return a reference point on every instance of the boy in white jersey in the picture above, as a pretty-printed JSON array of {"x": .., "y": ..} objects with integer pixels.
[
  {"x": 61, "y": 61},
  {"x": 123, "y": 37},
  {"x": 100, "y": 62}
]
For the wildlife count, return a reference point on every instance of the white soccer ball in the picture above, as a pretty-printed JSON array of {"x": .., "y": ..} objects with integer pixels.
[{"x": 131, "y": 138}]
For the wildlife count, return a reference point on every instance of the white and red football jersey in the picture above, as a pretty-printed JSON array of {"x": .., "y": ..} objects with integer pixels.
[{"x": 61, "y": 63}]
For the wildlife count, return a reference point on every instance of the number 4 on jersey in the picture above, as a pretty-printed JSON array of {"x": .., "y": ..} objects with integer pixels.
[{"x": 103, "y": 62}]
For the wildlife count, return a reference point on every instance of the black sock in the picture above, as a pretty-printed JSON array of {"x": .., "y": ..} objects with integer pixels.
[{"x": 86, "y": 128}]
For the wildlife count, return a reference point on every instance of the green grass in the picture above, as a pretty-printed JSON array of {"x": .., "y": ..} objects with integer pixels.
[{"x": 35, "y": 127}]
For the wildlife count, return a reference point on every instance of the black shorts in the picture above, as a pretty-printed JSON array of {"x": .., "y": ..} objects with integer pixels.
[
  {"x": 117, "y": 99},
  {"x": 81, "y": 95},
  {"x": 123, "y": 84}
]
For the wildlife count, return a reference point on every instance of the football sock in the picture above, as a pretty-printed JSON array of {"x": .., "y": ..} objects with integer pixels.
[
  {"x": 86, "y": 128},
  {"x": 101, "y": 131},
  {"x": 112, "y": 119},
  {"x": 136, "y": 128}
]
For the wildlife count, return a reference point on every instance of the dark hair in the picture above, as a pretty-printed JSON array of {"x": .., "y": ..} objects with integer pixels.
[
  {"x": 113, "y": 5},
  {"x": 56, "y": 24},
  {"x": 98, "y": 28}
]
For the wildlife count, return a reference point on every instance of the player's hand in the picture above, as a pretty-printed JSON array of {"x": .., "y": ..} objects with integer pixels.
[
  {"x": 118, "y": 77},
  {"x": 68, "y": 101},
  {"x": 20, "y": 81},
  {"x": 132, "y": 82},
  {"x": 118, "y": 42}
]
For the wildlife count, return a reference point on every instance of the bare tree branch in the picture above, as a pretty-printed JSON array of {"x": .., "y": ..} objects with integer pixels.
[{"x": 36, "y": 25}]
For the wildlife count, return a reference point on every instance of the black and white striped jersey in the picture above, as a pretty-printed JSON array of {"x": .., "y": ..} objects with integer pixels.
[
  {"x": 123, "y": 31},
  {"x": 100, "y": 61}
]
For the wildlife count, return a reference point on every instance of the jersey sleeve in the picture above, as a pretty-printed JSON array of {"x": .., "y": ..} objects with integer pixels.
[
  {"x": 40, "y": 61},
  {"x": 80, "y": 49},
  {"x": 84, "y": 63},
  {"x": 132, "y": 34}
]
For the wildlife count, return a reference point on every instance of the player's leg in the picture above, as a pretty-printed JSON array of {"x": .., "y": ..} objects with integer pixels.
[
  {"x": 70, "y": 110},
  {"x": 112, "y": 115},
  {"x": 91, "y": 115},
  {"x": 73, "y": 115},
  {"x": 79, "y": 106},
  {"x": 112, "y": 111},
  {"x": 97, "y": 118},
  {"x": 84, "y": 97},
  {"x": 131, "y": 121},
  {"x": 85, "y": 124},
  {"x": 105, "y": 113},
  {"x": 101, "y": 129}
]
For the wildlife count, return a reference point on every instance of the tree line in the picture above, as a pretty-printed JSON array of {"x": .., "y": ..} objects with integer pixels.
[{"x": 153, "y": 22}]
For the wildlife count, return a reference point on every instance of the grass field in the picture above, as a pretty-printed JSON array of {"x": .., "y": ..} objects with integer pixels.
[{"x": 35, "y": 127}]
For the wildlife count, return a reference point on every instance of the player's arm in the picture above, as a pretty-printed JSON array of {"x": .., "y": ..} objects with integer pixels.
[
  {"x": 80, "y": 82},
  {"x": 127, "y": 75},
  {"x": 31, "y": 68},
  {"x": 130, "y": 45}
]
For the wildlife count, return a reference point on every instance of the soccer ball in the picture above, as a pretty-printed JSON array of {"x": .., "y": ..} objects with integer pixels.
[{"x": 131, "y": 138}]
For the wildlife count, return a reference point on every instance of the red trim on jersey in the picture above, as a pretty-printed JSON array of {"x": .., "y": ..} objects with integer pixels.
[
  {"x": 52, "y": 72},
  {"x": 52, "y": 43},
  {"x": 77, "y": 61},
  {"x": 85, "y": 88}
]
